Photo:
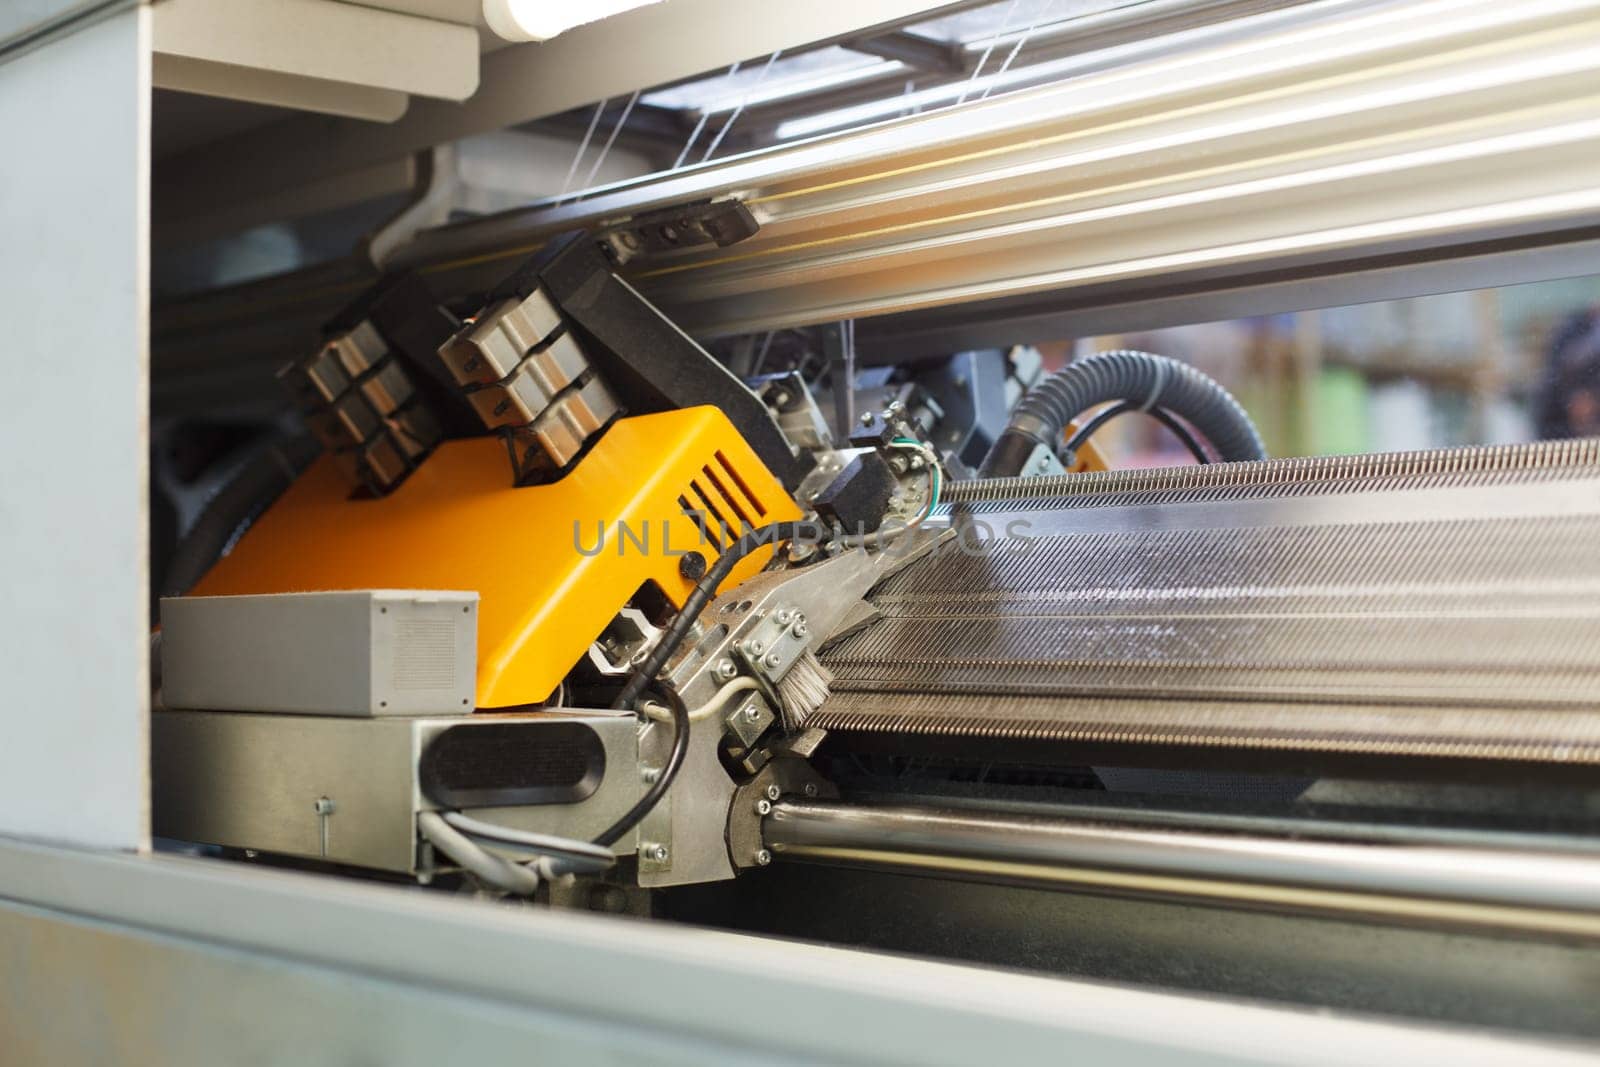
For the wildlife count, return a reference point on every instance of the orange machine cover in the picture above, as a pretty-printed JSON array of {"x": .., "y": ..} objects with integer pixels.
[{"x": 457, "y": 523}]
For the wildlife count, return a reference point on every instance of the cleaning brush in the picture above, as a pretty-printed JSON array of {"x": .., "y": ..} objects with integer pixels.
[{"x": 802, "y": 690}]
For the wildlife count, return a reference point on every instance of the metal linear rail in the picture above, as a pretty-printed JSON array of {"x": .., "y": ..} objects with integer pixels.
[
  {"x": 1441, "y": 881},
  {"x": 1316, "y": 142},
  {"x": 1439, "y": 604}
]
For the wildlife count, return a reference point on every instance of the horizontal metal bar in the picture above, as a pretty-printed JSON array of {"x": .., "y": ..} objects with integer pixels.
[
  {"x": 1402, "y": 127},
  {"x": 1443, "y": 882},
  {"x": 922, "y": 53},
  {"x": 1314, "y": 142},
  {"x": 657, "y": 976}
]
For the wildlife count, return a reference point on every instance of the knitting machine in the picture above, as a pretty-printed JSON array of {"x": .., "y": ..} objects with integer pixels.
[{"x": 554, "y": 603}]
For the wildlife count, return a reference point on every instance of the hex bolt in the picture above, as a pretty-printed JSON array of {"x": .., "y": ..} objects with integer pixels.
[
  {"x": 773, "y": 792},
  {"x": 763, "y": 806},
  {"x": 726, "y": 669},
  {"x": 763, "y": 857}
]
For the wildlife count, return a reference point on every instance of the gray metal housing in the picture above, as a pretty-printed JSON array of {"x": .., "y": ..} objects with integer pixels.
[
  {"x": 362, "y": 652},
  {"x": 346, "y": 790}
]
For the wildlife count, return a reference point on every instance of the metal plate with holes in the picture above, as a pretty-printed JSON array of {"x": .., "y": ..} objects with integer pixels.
[{"x": 778, "y": 638}]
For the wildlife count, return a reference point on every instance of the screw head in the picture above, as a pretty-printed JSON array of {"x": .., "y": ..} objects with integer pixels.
[
  {"x": 692, "y": 565},
  {"x": 649, "y": 774},
  {"x": 755, "y": 648},
  {"x": 322, "y": 806},
  {"x": 810, "y": 789},
  {"x": 763, "y": 806},
  {"x": 726, "y": 669},
  {"x": 773, "y": 792},
  {"x": 763, "y": 857},
  {"x": 785, "y": 615},
  {"x": 866, "y": 418},
  {"x": 658, "y": 853},
  {"x": 752, "y": 713},
  {"x": 772, "y": 660},
  {"x": 800, "y": 629}
]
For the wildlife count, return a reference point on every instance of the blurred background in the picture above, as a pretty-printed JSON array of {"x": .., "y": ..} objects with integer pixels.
[{"x": 1492, "y": 366}]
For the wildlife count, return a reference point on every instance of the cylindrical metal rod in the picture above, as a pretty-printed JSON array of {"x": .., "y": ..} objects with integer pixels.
[{"x": 1437, "y": 881}]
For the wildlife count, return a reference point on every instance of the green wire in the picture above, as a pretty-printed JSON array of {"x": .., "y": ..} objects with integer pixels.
[{"x": 933, "y": 469}]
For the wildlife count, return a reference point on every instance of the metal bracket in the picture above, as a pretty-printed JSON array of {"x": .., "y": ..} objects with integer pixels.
[
  {"x": 782, "y": 776},
  {"x": 706, "y": 222},
  {"x": 431, "y": 200}
]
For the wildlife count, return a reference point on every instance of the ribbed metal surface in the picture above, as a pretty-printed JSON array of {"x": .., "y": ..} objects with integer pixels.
[
  {"x": 1306, "y": 476},
  {"x": 1444, "y": 603}
]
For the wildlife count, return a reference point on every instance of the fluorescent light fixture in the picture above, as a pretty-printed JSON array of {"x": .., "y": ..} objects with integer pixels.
[{"x": 540, "y": 20}]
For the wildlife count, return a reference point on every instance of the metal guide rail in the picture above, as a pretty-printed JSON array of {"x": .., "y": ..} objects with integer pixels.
[
  {"x": 1314, "y": 141},
  {"x": 1437, "y": 878},
  {"x": 1436, "y": 604}
]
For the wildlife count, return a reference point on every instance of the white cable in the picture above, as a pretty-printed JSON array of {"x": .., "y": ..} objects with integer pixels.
[
  {"x": 932, "y": 460},
  {"x": 583, "y": 146},
  {"x": 694, "y": 134},
  {"x": 882, "y": 535},
  {"x": 544, "y": 844},
  {"x": 1005, "y": 24},
  {"x": 498, "y": 872},
  {"x": 994, "y": 78},
  {"x": 663, "y": 714},
  {"x": 605, "y": 149},
  {"x": 739, "y": 110}
]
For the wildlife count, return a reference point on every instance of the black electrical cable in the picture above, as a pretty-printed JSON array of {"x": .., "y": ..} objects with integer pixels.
[
  {"x": 1182, "y": 433},
  {"x": 1161, "y": 415},
  {"x": 697, "y": 600},
  {"x": 1150, "y": 381},
  {"x": 658, "y": 789},
  {"x": 676, "y": 631}
]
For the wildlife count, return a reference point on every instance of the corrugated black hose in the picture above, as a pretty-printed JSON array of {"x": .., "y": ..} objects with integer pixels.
[
  {"x": 1142, "y": 379},
  {"x": 676, "y": 631}
]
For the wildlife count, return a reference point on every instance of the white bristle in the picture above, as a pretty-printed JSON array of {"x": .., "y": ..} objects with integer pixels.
[{"x": 803, "y": 690}]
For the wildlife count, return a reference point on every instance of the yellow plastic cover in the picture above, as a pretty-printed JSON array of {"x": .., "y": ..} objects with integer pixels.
[{"x": 552, "y": 564}]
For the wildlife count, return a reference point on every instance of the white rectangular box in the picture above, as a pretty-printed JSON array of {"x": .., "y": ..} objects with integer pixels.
[{"x": 359, "y": 653}]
